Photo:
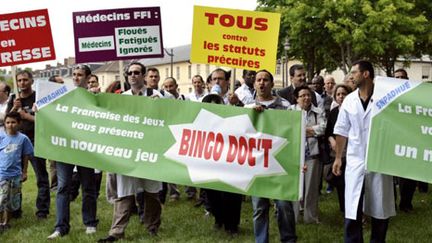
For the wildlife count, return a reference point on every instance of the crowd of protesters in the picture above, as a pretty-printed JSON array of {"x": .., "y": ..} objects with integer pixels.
[{"x": 336, "y": 125}]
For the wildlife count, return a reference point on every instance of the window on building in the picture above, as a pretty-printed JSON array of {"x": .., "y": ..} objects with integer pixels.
[
  {"x": 278, "y": 69},
  {"x": 190, "y": 90},
  {"x": 178, "y": 73},
  {"x": 207, "y": 71},
  {"x": 198, "y": 69},
  {"x": 425, "y": 73},
  {"x": 189, "y": 71},
  {"x": 166, "y": 72}
]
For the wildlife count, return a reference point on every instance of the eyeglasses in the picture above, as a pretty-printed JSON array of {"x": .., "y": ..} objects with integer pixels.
[
  {"x": 133, "y": 72},
  {"x": 402, "y": 77}
]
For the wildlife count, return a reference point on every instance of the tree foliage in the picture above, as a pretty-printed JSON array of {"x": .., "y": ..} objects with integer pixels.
[{"x": 326, "y": 34}]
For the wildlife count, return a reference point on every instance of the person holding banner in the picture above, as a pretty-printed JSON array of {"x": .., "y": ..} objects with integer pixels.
[
  {"x": 128, "y": 186},
  {"x": 365, "y": 192},
  {"x": 225, "y": 206},
  {"x": 315, "y": 127},
  {"x": 285, "y": 213},
  {"x": 23, "y": 103},
  {"x": 246, "y": 91},
  {"x": 407, "y": 186},
  {"x": 81, "y": 74}
]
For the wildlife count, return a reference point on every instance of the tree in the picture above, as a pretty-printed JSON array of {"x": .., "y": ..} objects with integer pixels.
[
  {"x": 302, "y": 25},
  {"x": 328, "y": 33}
]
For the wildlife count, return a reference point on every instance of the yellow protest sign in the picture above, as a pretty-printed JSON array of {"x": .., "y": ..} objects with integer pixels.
[{"x": 235, "y": 38}]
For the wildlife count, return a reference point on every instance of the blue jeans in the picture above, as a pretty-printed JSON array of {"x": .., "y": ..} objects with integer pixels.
[
  {"x": 285, "y": 218},
  {"x": 42, "y": 181},
  {"x": 87, "y": 179}
]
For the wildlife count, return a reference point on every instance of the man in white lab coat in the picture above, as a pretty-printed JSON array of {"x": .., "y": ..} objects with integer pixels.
[{"x": 368, "y": 192}]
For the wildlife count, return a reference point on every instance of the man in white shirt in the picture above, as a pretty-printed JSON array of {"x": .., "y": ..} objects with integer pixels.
[
  {"x": 365, "y": 192},
  {"x": 128, "y": 186},
  {"x": 246, "y": 92},
  {"x": 199, "y": 91}
]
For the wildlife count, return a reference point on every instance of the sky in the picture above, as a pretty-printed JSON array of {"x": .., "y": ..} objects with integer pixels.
[{"x": 177, "y": 18}]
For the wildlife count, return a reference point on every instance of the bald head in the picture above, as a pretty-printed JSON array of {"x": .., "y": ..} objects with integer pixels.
[{"x": 329, "y": 84}]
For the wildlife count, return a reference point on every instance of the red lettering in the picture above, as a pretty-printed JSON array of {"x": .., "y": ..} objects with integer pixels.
[
  {"x": 266, "y": 145},
  {"x": 208, "y": 148},
  {"x": 211, "y": 17},
  {"x": 184, "y": 144},
  {"x": 242, "y": 22},
  {"x": 261, "y": 24},
  {"x": 252, "y": 145},
  {"x": 192, "y": 142},
  {"x": 211, "y": 46},
  {"x": 242, "y": 153},
  {"x": 218, "y": 148},
  {"x": 227, "y": 20},
  {"x": 242, "y": 25},
  {"x": 232, "y": 150},
  {"x": 200, "y": 142}
]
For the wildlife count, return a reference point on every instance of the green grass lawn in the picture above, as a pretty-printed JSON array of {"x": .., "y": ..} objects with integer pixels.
[{"x": 181, "y": 222}]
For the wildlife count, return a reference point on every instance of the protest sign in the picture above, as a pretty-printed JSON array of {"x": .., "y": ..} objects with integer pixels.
[
  {"x": 25, "y": 37},
  {"x": 400, "y": 138},
  {"x": 116, "y": 34},
  {"x": 235, "y": 38},
  {"x": 197, "y": 144}
]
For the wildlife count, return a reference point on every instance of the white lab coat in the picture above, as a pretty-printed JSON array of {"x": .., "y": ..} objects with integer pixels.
[{"x": 353, "y": 123}]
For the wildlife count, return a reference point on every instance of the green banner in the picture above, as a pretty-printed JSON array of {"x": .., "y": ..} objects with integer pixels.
[
  {"x": 400, "y": 138},
  {"x": 198, "y": 144}
]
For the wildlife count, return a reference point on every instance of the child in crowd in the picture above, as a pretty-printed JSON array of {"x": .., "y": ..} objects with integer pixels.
[{"x": 15, "y": 152}]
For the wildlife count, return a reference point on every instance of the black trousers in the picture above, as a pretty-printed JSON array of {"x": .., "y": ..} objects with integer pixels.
[
  {"x": 226, "y": 208},
  {"x": 407, "y": 188},
  {"x": 353, "y": 229}
]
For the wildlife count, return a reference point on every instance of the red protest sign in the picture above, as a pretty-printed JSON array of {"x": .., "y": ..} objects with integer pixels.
[{"x": 25, "y": 37}]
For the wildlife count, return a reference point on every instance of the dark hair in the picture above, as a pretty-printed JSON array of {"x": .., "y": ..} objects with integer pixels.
[
  {"x": 198, "y": 76},
  {"x": 245, "y": 71},
  {"x": 401, "y": 70},
  {"x": 29, "y": 74},
  {"x": 152, "y": 69},
  {"x": 143, "y": 68},
  {"x": 295, "y": 67},
  {"x": 14, "y": 115},
  {"x": 87, "y": 70},
  {"x": 208, "y": 80},
  {"x": 213, "y": 98},
  {"x": 318, "y": 79},
  {"x": 7, "y": 88},
  {"x": 95, "y": 76},
  {"x": 365, "y": 66},
  {"x": 266, "y": 71},
  {"x": 226, "y": 73},
  {"x": 347, "y": 89},
  {"x": 298, "y": 89},
  {"x": 173, "y": 79}
]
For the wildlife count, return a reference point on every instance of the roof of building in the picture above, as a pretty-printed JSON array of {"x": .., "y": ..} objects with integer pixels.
[
  {"x": 180, "y": 54},
  {"x": 108, "y": 67}
]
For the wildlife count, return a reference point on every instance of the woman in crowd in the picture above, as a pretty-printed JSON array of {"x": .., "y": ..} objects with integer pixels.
[
  {"x": 339, "y": 94},
  {"x": 315, "y": 126}
]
